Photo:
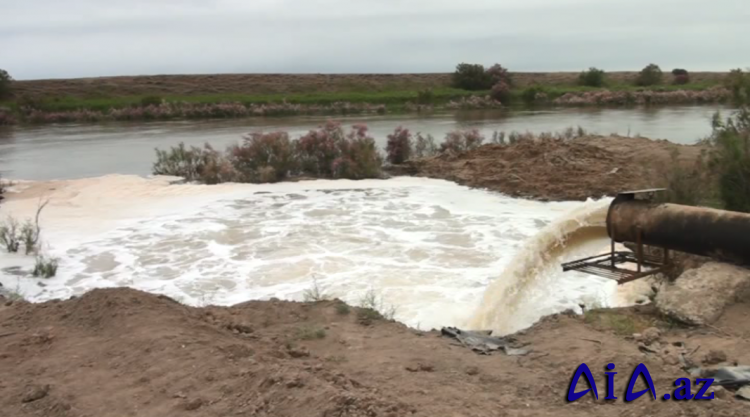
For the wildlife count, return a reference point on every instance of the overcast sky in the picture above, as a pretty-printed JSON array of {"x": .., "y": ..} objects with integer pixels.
[{"x": 83, "y": 38}]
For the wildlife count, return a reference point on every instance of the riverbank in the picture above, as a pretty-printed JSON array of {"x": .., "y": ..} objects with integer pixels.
[
  {"x": 178, "y": 97},
  {"x": 150, "y": 355},
  {"x": 556, "y": 169}
]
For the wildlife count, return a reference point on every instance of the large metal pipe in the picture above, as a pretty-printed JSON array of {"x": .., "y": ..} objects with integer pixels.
[{"x": 703, "y": 231}]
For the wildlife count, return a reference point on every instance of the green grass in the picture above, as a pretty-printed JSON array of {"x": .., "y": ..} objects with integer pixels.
[
  {"x": 394, "y": 99},
  {"x": 621, "y": 323},
  {"x": 311, "y": 333}
]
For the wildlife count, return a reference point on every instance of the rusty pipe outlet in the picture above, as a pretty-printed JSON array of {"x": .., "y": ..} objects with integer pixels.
[{"x": 720, "y": 234}]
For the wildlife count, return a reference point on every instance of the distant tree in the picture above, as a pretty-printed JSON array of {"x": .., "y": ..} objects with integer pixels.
[
  {"x": 471, "y": 77},
  {"x": 651, "y": 75},
  {"x": 681, "y": 76},
  {"x": 5, "y": 84},
  {"x": 499, "y": 74},
  {"x": 594, "y": 77}
]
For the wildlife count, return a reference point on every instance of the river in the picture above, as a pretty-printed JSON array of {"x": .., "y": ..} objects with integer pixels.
[
  {"x": 441, "y": 253},
  {"x": 90, "y": 150}
]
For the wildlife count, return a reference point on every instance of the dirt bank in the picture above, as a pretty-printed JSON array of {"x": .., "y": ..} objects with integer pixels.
[
  {"x": 185, "y": 85},
  {"x": 557, "y": 169},
  {"x": 120, "y": 352}
]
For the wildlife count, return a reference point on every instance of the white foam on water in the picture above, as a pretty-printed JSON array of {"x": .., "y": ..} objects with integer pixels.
[{"x": 429, "y": 247}]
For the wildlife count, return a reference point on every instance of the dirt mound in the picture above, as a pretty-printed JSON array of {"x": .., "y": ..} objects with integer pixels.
[
  {"x": 120, "y": 352},
  {"x": 558, "y": 169}
]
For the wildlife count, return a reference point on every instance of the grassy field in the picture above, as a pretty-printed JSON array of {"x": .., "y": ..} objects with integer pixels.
[
  {"x": 392, "y": 90},
  {"x": 393, "y": 99}
]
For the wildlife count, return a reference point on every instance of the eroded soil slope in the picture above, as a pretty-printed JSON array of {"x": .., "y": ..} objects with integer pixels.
[
  {"x": 556, "y": 169},
  {"x": 120, "y": 352}
]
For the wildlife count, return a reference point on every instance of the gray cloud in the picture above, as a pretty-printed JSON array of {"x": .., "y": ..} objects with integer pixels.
[{"x": 79, "y": 38}]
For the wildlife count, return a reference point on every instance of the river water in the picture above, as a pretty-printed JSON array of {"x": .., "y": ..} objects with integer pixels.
[
  {"x": 79, "y": 151},
  {"x": 441, "y": 253}
]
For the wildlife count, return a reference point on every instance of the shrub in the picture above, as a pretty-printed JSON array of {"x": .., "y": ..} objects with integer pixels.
[
  {"x": 359, "y": 157},
  {"x": 688, "y": 185},
  {"x": 474, "y": 102},
  {"x": 681, "y": 76},
  {"x": 9, "y": 236},
  {"x": 151, "y": 101},
  {"x": 178, "y": 161},
  {"x": 681, "y": 79},
  {"x": 471, "y": 77},
  {"x": 425, "y": 146},
  {"x": 45, "y": 267},
  {"x": 498, "y": 74},
  {"x": 739, "y": 84},
  {"x": 650, "y": 75},
  {"x": 594, "y": 77},
  {"x": 213, "y": 167},
  {"x": 28, "y": 234},
  {"x": 398, "y": 149},
  {"x": 425, "y": 97},
  {"x": 342, "y": 308},
  {"x": 533, "y": 94},
  {"x": 311, "y": 333},
  {"x": 373, "y": 307},
  {"x": 315, "y": 293},
  {"x": 6, "y": 82},
  {"x": 6, "y": 117},
  {"x": 263, "y": 157},
  {"x": 501, "y": 92},
  {"x": 462, "y": 141},
  {"x": 318, "y": 149},
  {"x": 730, "y": 159}
]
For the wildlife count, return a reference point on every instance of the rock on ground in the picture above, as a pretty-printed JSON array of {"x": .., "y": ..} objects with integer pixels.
[{"x": 700, "y": 295}]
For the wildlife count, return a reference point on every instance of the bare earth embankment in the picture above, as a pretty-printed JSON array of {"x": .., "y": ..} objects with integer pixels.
[
  {"x": 120, "y": 352},
  {"x": 556, "y": 169}
]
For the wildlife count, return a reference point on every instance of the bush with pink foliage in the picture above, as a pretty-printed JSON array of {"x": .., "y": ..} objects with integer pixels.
[
  {"x": 151, "y": 110},
  {"x": 474, "y": 102},
  {"x": 6, "y": 117},
  {"x": 317, "y": 149},
  {"x": 501, "y": 92},
  {"x": 329, "y": 152},
  {"x": 398, "y": 149},
  {"x": 359, "y": 157},
  {"x": 499, "y": 74},
  {"x": 263, "y": 157},
  {"x": 644, "y": 97}
]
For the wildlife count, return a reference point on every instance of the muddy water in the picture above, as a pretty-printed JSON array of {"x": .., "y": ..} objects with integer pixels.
[
  {"x": 432, "y": 249},
  {"x": 80, "y": 151},
  {"x": 443, "y": 254}
]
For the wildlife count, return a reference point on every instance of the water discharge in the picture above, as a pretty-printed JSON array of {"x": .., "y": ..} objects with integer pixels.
[
  {"x": 507, "y": 304},
  {"x": 433, "y": 249}
]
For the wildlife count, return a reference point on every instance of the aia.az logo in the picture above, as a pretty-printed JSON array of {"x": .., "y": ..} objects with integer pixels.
[{"x": 681, "y": 393}]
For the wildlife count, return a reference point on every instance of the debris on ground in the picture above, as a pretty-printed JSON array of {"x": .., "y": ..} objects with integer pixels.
[{"x": 482, "y": 342}]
